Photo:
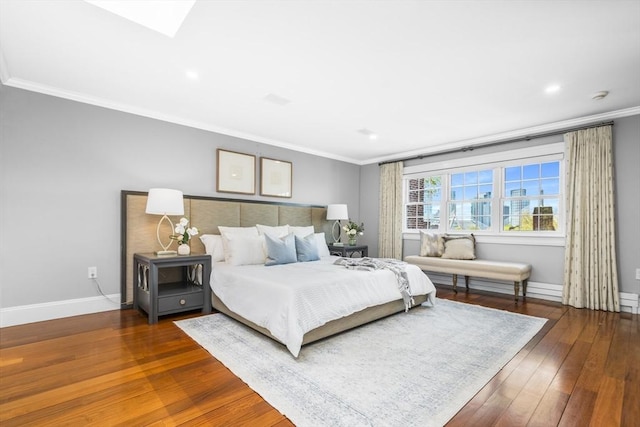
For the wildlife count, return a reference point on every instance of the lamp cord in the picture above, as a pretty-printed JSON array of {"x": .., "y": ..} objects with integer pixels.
[{"x": 102, "y": 293}]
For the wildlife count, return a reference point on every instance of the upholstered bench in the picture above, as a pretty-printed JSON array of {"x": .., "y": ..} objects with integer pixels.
[{"x": 518, "y": 273}]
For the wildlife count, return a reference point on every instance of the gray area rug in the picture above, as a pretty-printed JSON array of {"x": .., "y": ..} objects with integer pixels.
[{"x": 418, "y": 368}]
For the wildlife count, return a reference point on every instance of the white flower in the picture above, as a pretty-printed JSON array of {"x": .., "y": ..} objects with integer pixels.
[
  {"x": 352, "y": 228},
  {"x": 182, "y": 233}
]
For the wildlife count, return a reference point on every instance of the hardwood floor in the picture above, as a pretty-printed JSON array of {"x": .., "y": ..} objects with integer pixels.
[{"x": 112, "y": 368}]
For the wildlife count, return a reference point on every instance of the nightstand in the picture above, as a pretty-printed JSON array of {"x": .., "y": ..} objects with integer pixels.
[
  {"x": 347, "y": 250},
  {"x": 191, "y": 291}
]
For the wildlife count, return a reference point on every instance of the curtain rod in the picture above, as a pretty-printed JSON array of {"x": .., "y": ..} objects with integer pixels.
[{"x": 491, "y": 144}]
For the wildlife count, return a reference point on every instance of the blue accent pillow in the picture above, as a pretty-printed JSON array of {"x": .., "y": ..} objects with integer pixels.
[
  {"x": 280, "y": 250},
  {"x": 307, "y": 248}
]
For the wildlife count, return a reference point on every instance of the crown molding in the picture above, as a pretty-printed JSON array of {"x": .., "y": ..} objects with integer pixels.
[
  {"x": 505, "y": 136},
  {"x": 514, "y": 134},
  {"x": 152, "y": 114}
]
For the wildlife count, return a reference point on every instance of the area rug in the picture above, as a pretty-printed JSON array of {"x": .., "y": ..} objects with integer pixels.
[{"x": 416, "y": 368}]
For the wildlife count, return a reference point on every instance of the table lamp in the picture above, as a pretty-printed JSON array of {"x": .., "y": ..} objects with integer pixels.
[
  {"x": 163, "y": 201},
  {"x": 337, "y": 213}
]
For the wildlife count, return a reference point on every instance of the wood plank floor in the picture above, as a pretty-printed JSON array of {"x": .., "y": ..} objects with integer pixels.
[{"x": 112, "y": 368}]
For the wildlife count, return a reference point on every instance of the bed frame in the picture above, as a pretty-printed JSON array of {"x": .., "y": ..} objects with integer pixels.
[
  {"x": 138, "y": 234},
  {"x": 333, "y": 327}
]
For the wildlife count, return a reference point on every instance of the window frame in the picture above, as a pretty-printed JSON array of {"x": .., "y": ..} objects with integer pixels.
[{"x": 497, "y": 162}]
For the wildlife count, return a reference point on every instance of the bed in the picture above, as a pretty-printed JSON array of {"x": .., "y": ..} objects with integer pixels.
[
  {"x": 292, "y": 302},
  {"x": 335, "y": 298}
]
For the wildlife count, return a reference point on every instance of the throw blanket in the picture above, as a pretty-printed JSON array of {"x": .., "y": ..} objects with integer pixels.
[{"x": 395, "y": 266}]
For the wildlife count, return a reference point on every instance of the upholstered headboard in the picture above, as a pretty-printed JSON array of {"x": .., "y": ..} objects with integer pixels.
[{"x": 206, "y": 213}]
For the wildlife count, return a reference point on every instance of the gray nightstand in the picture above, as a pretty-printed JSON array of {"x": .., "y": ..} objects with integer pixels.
[
  {"x": 166, "y": 298},
  {"x": 347, "y": 250}
]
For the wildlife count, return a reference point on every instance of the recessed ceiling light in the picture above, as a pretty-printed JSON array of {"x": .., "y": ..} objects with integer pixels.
[
  {"x": 368, "y": 133},
  {"x": 552, "y": 88},
  {"x": 165, "y": 17},
  {"x": 600, "y": 95},
  {"x": 276, "y": 99},
  {"x": 191, "y": 74}
]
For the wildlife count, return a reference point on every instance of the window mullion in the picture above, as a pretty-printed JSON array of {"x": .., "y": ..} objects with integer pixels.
[
  {"x": 444, "y": 203},
  {"x": 496, "y": 199}
]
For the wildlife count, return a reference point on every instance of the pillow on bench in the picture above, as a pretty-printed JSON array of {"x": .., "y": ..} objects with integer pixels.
[
  {"x": 459, "y": 247},
  {"x": 447, "y": 245},
  {"x": 431, "y": 244}
]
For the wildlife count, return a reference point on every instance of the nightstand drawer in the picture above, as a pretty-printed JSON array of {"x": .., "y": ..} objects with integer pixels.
[{"x": 180, "y": 302}]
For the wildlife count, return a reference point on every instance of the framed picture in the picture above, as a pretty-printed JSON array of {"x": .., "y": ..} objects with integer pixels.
[
  {"x": 275, "y": 177},
  {"x": 236, "y": 172}
]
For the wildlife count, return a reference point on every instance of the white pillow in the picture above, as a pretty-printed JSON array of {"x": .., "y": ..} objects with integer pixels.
[
  {"x": 302, "y": 231},
  {"x": 213, "y": 246},
  {"x": 321, "y": 241},
  {"x": 273, "y": 231},
  {"x": 244, "y": 250},
  {"x": 242, "y": 231},
  {"x": 235, "y": 231}
]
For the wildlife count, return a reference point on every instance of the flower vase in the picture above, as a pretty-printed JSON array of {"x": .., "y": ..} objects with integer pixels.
[
  {"x": 184, "y": 249},
  {"x": 352, "y": 241}
]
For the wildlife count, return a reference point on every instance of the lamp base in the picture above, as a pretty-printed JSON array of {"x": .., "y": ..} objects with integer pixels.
[
  {"x": 166, "y": 253},
  {"x": 335, "y": 232}
]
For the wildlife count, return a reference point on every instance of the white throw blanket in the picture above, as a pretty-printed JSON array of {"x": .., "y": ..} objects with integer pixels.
[{"x": 397, "y": 267}]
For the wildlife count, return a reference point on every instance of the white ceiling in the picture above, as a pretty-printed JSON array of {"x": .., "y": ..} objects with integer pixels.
[{"x": 424, "y": 76}]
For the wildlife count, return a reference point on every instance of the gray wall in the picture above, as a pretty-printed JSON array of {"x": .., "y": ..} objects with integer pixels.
[
  {"x": 63, "y": 165},
  {"x": 626, "y": 146},
  {"x": 548, "y": 261}
]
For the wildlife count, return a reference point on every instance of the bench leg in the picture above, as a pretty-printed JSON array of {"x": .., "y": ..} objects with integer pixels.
[
  {"x": 466, "y": 282},
  {"x": 524, "y": 288},
  {"x": 516, "y": 290},
  {"x": 455, "y": 283}
]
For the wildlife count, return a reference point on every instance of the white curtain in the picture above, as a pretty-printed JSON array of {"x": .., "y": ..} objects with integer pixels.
[
  {"x": 590, "y": 268},
  {"x": 390, "y": 232}
]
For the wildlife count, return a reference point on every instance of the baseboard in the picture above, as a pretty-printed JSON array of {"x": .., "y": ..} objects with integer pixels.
[
  {"x": 629, "y": 302},
  {"x": 11, "y": 316},
  {"x": 23, "y": 314},
  {"x": 546, "y": 291}
]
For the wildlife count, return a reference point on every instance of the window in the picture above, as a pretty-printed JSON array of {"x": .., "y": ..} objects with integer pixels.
[
  {"x": 510, "y": 196},
  {"x": 423, "y": 206},
  {"x": 530, "y": 197},
  {"x": 470, "y": 202}
]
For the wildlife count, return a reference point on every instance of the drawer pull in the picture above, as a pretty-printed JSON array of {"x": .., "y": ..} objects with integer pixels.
[{"x": 183, "y": 302}]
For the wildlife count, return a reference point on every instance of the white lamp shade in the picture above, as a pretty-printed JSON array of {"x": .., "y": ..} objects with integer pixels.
[
  {"x": 337, "y": 212},
  {"x": 163, "y": 201}
]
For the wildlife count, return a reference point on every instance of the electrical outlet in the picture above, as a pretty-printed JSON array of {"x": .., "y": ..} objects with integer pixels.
[
  {"x": 93, "y": 272},
  {"x": 637, "y": 273}
]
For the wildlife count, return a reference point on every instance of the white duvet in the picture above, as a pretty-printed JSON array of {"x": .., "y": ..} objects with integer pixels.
[{"x": 292, "y": 299}]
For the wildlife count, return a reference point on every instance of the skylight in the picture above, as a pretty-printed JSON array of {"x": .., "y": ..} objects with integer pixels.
[{"x": 163, "y": 16}]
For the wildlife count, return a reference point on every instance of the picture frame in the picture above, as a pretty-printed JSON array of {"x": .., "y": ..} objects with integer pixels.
[
  {"x": 236, "y": 172},
  {"x": 275, "y": 178}
]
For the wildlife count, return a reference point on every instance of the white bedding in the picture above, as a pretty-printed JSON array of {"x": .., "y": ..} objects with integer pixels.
[{"x": 292, "y": 299}]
